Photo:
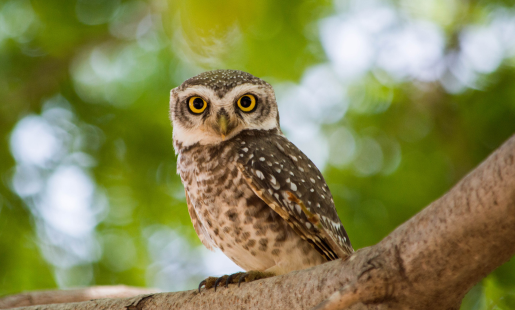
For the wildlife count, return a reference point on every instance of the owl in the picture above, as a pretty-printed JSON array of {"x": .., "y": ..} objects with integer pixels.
[{"x": 250, "y": 192}]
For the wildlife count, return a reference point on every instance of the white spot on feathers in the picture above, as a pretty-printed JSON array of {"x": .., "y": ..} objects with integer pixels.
[
  {"x": 297, "y": 207},
  {"x": 276, "y": 187},
  {"x": 335, "y": 225},
  {"x": 293, "y": 157},
  {"x": 245, "y": 149},
  {"x": 274, "y": 183},
  {"x": 293, "y": 186},
  {"x": 260, "y": 174},
  {"x": 279, "y": 147},
  {"x": 312, "y": 180},
  {"x": 272, "y": 180},
  {"x": 308, "y": 225},
  {"x": 261, "y": 158}
]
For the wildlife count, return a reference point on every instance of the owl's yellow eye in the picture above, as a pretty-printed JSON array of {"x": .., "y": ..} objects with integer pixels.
[
  {"x": 247, "y": 103},
  {"x": 197, "y": 105}
]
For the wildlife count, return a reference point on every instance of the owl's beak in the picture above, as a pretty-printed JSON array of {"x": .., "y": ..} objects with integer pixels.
[{"x": 224, "y": 125}]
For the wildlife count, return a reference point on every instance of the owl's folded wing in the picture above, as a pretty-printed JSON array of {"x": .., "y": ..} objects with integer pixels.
[{"x": 284, "y": 178}]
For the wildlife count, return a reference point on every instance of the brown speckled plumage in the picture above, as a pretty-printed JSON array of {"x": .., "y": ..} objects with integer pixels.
[{"x": 239, "y": 190}]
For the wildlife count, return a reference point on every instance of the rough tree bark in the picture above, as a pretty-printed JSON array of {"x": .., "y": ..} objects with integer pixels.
[
  {"x": 429, "y": 262},
  {"x": 72, "y": 295}
]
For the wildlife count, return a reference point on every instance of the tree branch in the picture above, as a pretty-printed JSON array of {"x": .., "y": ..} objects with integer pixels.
[
  {"x": 75, "y": 295},
  {"x": 429, "y": 262}
]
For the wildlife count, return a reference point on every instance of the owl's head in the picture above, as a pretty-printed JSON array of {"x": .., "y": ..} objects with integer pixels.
[{"x": 217, "y": 105}]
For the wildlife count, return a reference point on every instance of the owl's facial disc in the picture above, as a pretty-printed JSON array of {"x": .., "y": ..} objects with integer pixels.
[{"x": 209, "y": 114}]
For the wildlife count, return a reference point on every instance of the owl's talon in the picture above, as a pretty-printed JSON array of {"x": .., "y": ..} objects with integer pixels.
[
  {"x": 231, "y": 278},
  {"x": 203, "y": 282},
  {"x": 207, "y": 283},
  {"x": 219, "y": 280}
]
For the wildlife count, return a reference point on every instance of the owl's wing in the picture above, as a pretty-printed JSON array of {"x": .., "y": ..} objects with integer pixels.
[
  {"x": 284, "y": 178},
  {"x": 197, "y": 225}
]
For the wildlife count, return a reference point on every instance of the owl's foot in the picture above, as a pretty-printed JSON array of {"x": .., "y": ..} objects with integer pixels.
[
  {"x": 213, "y": 282},
  {"x": 254, "y": 275},
  {"x": 234, "y": 278}
]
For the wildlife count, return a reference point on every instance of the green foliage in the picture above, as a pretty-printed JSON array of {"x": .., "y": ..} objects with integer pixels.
[{"x": 97, "y": 74}]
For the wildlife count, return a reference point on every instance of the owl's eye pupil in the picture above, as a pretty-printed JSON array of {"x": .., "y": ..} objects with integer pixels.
[
  {"x": 198, "y": 103},
  {"x": 246, "y": 101}
]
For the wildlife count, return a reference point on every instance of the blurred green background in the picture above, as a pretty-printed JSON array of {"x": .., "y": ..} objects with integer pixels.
[{"x": 394, "y": 100}]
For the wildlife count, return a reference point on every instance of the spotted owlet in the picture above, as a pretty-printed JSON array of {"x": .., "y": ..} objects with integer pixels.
[{"x": 250, "y": 191}]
